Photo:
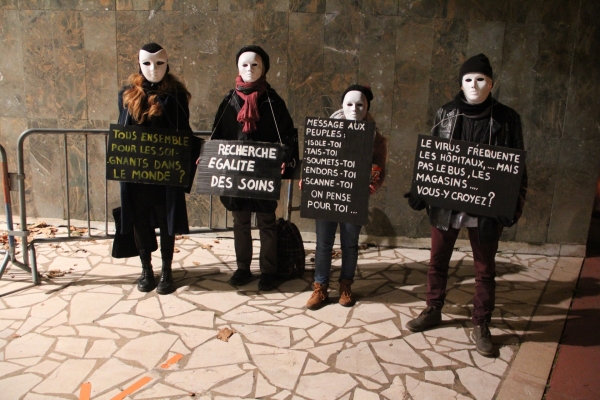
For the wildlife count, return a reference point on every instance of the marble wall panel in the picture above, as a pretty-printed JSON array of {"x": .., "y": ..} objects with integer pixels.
[
  {"x": 9, "y": 5},
  {"x": 308, "y": 6},
  {"x": 12, "y": 75},
  {"x": 193, "y": 6},
  {"x": 456, "y": 9},
  {"x": 272, "y": 5},
  {"x": 515, "y": 83},
  {"x": 166, "y": 5},
  {"x": 583, "y": 105},
  {"x": 100, "y": 54},
  {"x": 133, "y": 5},
  {"x": 542, "y": 163},
  {"x": 341, "y": 55},
  {"x": 200, "y": 64},
  {"x": 343, "y": 6},
  {"x": 136, "y": 28},
  {"x": 236, "y": 5},
  {"x": 39, "y": 65},
  {"x": 487, "y": 38},
  {"x": 305, "y": 67},
  {"x": 401, "y": 154},
  {"x": 380, "y": 7},
  {"x": 271, "y": 33},
  {"x": 575, "y": 190},
  {"x": 448, "y": 53},
  {"x": 414, "y": 41},
  {"x": 69, "y": 60},
  {"x": 489, "y": 10},
  {"x": 377, "y": 52},
  {"x": 421, "y": 8}
]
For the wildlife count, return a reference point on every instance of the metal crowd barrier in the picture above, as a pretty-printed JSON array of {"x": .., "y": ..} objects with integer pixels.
[{"x": 16, "y": 182}]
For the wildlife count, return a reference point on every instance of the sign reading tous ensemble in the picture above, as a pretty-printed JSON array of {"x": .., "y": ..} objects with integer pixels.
[
  {"x": 336, "y": 170},
  {"x": 240, "y": 169},
  {"x": 470, "y": 177},
  {"x": 148, "y": 155}
]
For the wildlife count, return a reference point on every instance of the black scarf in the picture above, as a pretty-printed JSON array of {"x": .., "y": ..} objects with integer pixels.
[{"x": 472, "y": 110}]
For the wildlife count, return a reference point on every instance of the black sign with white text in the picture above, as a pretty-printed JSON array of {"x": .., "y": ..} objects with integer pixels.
[
  {"x": 336, "y": 170},
  {"x": 463, "y": 176},
  {"x": 148, "y": 155},
  {"x": 240, "y": 169}
]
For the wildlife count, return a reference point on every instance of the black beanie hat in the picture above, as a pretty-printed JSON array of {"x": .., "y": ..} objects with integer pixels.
[
  {"x": 479, "y": 63},
  {"x": 364, "y": 90},
  {"x": 255, "y": 49},
  {"x": 152, "y": 48}
]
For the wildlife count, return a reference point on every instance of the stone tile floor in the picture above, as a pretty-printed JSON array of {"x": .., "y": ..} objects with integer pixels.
[{"x": 91, "y": 335}]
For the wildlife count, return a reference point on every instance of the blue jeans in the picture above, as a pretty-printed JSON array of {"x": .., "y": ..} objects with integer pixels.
[{"x": 325, "y": 238}]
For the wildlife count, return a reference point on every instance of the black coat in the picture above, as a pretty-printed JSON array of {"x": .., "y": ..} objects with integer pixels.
[
  {"x": 506, "y": 132},
  {"x": 176, "y": 116},
  {"x": 227, "y": 127}
]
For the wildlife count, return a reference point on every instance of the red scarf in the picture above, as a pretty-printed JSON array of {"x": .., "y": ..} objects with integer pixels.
[{"x": 250, "y": 92}]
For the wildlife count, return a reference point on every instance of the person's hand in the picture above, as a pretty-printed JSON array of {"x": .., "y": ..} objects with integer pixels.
[
  {"x": 300, "y": 184},
  {"x": 506, "y": 222},
  {"x": 416, "y": 203},
  {"x": 282, "y": 168},
  {"x": 198, "y": 161},
  {"x": 372, "y": 189}
]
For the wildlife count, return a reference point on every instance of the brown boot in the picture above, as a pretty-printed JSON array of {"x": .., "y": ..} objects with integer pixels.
[
  {"x": 346, "y": 299},
  {"x": 319, "y": 296}
]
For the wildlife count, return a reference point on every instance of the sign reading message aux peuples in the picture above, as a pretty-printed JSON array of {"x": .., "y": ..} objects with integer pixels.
[
  {"x": 148, "y": 155},
  {"x": 475, "y": 178},
  {"x": 240, "y": 169},
  {"x": 336, "y": 170}
]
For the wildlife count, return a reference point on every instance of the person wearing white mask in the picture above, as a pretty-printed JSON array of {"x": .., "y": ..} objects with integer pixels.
[
  {"x": 473, "y": 116},
  {"x": 356, "y": 102},
  {"x": 254, "y": 111},
  {"x": 154, "y": 98}
]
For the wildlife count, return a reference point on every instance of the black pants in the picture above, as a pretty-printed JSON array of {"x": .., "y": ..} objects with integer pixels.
[
  {"x": 242, "y": 239},
  {"x": 144, "y": 233}
]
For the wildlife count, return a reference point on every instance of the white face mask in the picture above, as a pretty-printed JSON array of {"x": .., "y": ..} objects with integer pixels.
[
  {"x": 250, "y": 66},
  {"x": 476, "y": 87},
  {"x": 355, "y": 105},
  {"x": 153, "y": 65}
]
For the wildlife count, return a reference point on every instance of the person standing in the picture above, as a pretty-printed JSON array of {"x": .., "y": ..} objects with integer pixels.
[
  {"x": 356, "y": 102},
  {"x": 154, "y": 98},
  {"x": 254, "y": 111},
  {"x": 473, "y": 116}
]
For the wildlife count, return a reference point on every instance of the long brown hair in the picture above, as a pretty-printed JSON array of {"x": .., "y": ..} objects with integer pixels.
[{"x": 142, "y": 107}]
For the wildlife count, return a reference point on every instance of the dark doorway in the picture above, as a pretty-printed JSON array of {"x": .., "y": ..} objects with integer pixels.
[{"x": 593, "y": 241}]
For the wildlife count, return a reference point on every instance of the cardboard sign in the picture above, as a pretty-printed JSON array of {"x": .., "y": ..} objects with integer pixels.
[
  {"x": 475, "y": 178},
  {"x": 148, "y": 155},
  {"x": 336, "y": 170},
  {"x": 240, "y": 169}
]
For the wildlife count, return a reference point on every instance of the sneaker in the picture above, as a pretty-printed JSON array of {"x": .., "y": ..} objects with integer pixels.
[
  {"x": 241, "y": 277},
  {"x": 483, "y": 340},
  {"x": 318, "y": 297},
  {"x": 266, "y": 282},
  {"x": 429, "y": 317}
]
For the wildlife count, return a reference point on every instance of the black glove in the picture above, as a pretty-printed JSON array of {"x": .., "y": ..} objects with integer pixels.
[
  {"x": 505, "y": 221},
  {"x": 415, "y": 202}
]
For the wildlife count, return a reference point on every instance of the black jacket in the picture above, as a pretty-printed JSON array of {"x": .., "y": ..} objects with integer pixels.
[
  {"x": 175, "y": 115},
  {"x": 227, "y": 127},
  {"x": 506, "y": 132}
]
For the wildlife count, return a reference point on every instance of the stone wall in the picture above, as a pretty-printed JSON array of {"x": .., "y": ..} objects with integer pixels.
[{"x": 62, "y": 62}]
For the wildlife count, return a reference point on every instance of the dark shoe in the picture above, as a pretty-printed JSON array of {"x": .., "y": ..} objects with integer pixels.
[
  {"x": 165, "y": 285},
  {"x": 241, "y": 277},
  {"x": 483, "y": 340},
  {"x": 429, "y": 317},
  {"x": 318, "y": 297},
  {"x": 266, "y": 282},
  {"x": 346, "y": 299},
  {"x": 146, "y": 282}
]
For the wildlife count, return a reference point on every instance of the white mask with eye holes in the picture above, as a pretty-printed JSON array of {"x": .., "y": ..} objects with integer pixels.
[
  {"x": 476, "y": 87},
  {"x": 250, "y": 66},
  {"x": 153, "y": 65},
  {"x": 355, "y": 105}
]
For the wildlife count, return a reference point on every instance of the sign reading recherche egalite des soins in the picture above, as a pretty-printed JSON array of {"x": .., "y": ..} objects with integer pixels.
[
  {"x": 336, "y": 170},
  {"x": 240, "y": 169},
  {"x": 148, "y": 155},
  {"x": 475, "y": 178}
]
